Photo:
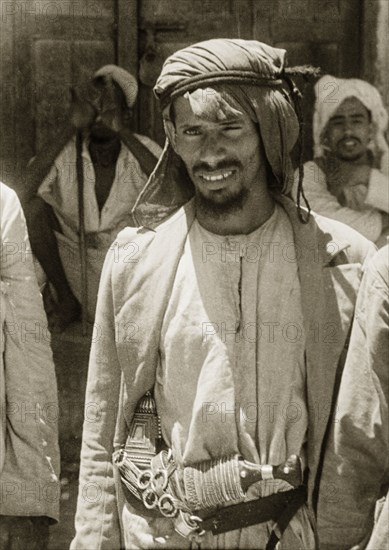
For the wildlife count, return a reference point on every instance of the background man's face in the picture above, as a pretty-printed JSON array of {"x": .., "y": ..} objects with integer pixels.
[
  {"x": 101, "y": 108},
  {"x": 348, "y": 131},
  {"x": 109, "y": 112},
  {"x": 224, "y": 159}
]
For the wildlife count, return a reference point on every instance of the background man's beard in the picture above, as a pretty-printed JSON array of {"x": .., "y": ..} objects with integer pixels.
[
  {"x": 102, "y": 136},
  {"x": 351, "y": 158},
  {"x": 232, "y": 203}
]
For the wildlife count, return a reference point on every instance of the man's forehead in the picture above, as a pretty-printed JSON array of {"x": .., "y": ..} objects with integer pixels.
[
  {"x": 350, "y": 106},
  {"x": 204, "y": 106},
  {"x": 92, "y": 90}
]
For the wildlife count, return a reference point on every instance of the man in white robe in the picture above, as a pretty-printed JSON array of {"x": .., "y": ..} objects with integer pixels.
[{"x": 231, "y": 308}]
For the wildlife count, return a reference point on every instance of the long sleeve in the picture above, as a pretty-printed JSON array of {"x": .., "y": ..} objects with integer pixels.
[
  {"x": 368, "y": 222},
  {"x": 356, "y": 463},
  {"x": 31, "y": 462},
  {"x": 97, "y": 520}
]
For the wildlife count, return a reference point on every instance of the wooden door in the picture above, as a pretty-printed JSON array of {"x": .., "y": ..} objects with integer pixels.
[{"x": 46, "y": 48}]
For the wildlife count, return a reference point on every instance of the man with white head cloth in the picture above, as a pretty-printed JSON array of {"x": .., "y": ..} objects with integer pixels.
[
  {"x": 232, "y": 306},
  {"x": 348, "y": 180}
]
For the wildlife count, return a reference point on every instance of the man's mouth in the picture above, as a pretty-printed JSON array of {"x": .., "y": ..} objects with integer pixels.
[
  {"x": 217, "y": 176},
  {"x": 349, "y": 143}
]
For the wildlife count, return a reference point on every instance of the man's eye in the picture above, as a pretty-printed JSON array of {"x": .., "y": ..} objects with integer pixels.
[
  {"x": 232, "y": 128},
  {"x": 191, "y": 132}
]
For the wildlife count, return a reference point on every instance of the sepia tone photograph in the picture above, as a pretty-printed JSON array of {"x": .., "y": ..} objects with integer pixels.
[{"x": 194, "y": 212}]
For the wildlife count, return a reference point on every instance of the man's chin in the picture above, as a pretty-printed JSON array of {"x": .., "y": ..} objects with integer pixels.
[
  {"x": 350, "y": 156},
  {"x": 102, "y": 134},
  {"x": 221, "y": 204}
]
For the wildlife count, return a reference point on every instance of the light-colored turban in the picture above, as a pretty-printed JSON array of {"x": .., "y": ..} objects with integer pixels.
[{"x": 123, "y": 79}]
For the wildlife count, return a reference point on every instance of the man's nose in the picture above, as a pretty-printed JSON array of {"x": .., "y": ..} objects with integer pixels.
[
  {"x": 212, "y": 150},
  {"x": 347, "y": 128}
]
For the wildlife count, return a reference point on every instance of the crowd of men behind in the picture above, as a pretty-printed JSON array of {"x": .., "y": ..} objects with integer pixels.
[{"x": 225, "y": 179}]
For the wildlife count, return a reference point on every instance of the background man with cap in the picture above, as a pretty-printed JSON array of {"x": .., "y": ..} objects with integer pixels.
[
  {"x": 110, "y": 165},
  {"x": 234, "y": 312},
  {"x": 348, "y": 180}
]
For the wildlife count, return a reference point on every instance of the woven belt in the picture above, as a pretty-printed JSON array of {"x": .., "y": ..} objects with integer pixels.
[{"x": 280, "y": 507}]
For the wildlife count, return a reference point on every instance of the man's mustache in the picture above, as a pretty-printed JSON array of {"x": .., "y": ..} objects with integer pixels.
[{"x": 224, "y": 164}]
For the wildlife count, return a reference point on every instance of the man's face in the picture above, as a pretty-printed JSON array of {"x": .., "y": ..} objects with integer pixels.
[
  {"x": 348, "y": 131},
  {"x": 224, "y": 159},
  {"x": 100, "y": 108},
  {"x": 109, "y": 112}
]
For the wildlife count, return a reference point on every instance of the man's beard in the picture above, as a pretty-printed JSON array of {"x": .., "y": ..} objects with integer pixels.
[
  {"x": 349, "y": 156},
  {"x": 103, "y": 136},
  {"x": 230, "y": 204},
  {"x": 352, "y": 157}
]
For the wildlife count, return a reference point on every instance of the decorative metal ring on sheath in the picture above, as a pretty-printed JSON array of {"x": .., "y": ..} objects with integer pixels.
[
  {"x": 154, "y": 480},
  {"x": 167, "y": 507},
  {"x": 150, "y": 499},
  {"x": 144, "y": 479}
]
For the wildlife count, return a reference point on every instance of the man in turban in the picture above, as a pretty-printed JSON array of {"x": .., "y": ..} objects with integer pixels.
[
  {"x": 232, "y": 306},
  {"x": 85, "y": 189},
  {"x": 348, "y": 180}
]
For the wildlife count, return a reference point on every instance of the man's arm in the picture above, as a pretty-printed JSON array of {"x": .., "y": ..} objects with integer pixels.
[
  {"x": 356, "y": 460},
  {"x": 367, "y": 222}
]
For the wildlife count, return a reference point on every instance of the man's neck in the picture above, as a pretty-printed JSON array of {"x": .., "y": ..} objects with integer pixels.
[{"x": 257, "y": 209}]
